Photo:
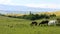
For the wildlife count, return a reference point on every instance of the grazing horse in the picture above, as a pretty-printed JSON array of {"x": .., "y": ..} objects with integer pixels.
[
  {"x": 52, "y": 22},
  {"x": 44, "y": 22},
  {"x": 34, "y": 23},
  {"x": 58, "y": 19}
]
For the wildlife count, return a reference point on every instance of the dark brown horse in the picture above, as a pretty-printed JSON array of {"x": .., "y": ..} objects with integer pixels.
[
  {"x": 58, "y": 19},
  {"x": 33, "y": 23},
  {"x": 44, "y": 22}
]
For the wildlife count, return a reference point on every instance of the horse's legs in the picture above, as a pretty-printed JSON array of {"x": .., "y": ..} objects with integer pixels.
[
  {"x": 35, "y": 24},
  {"x": 39, "y": 23},
  {"x": 47, "y": 24}
]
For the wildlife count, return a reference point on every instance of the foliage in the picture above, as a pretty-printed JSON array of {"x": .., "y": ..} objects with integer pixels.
[
  {"x": 32, "y": 16},
  {"x": 53, "y": 15}
]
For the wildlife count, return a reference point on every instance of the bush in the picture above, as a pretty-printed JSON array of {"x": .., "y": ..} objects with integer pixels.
[{"x": 53, "y": 15}]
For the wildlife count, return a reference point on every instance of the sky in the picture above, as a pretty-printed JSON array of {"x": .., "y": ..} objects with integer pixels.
[{"x": 33, "y": 3}]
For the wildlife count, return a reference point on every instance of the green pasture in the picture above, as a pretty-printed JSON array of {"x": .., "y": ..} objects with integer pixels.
[{"x": 22, "y": 26}]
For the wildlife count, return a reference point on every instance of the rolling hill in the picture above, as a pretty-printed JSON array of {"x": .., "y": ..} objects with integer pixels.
[{"x": 49, "y": 13}]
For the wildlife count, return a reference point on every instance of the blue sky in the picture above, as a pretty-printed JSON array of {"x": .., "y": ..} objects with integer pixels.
[{"x": 33, "y": 3}]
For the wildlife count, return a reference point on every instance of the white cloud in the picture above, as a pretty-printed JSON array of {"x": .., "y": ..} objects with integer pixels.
[
  {"x": 5, "y": 1},
  {"x": 9, "y": 2},
  {"x": 44, "y": 5}
]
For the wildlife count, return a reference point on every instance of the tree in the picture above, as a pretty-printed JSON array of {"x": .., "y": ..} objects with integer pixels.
[{"x": 53, "y": 15}]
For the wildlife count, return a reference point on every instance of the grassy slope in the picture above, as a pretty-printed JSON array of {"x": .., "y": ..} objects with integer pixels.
[
  {"x": 21, "y": 26},
  {"x": 56, "y": 12}
]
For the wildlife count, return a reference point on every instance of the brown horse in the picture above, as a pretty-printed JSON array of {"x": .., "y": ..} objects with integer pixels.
[
  {"x": 33, "y": 23},
  {"x": 44, "y": 22},
  {"x": 58, "y": 19}
]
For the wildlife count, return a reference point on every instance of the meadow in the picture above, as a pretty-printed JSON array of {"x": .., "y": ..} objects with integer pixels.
[{"x": 22, "y": 26}]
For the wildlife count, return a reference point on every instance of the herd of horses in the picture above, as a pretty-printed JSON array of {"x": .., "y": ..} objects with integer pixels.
[{"x": 47, "y": 22}]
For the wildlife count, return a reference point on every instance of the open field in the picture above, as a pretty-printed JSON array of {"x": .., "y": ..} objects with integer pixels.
[{"x": 21, "y": 26}]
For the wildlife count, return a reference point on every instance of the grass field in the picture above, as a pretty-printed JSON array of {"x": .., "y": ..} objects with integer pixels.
[{"x": 22, "y": 26}]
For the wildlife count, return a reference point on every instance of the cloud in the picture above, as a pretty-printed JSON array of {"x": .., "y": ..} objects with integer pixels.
[
  {"x": 44, "y": 5},
  {"x": 40, "y": 5},
  {"x": 9, "y": 2},
  {"x": 5, "y": 1}
]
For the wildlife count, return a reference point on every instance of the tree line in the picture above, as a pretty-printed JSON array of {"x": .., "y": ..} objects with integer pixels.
[{"x": 32, "y": 16}]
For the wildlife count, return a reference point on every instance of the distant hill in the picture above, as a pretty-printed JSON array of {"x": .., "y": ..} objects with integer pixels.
[
  {"x": 49, "y": 13},
  {"x": 24, "y": 8}
]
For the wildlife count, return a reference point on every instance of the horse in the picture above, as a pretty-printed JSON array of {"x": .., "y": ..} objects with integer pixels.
[
  {"x": 52, "y": 22},
  {"x": 44, "y": 22},
  {"x": 49, "y": 22},
  {"x": 34, "y": 23},
  {"x": 58, "y": 19}
]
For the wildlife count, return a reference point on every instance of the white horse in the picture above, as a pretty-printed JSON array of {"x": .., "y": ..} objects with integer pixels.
[{"x": 52, "y": 22}]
